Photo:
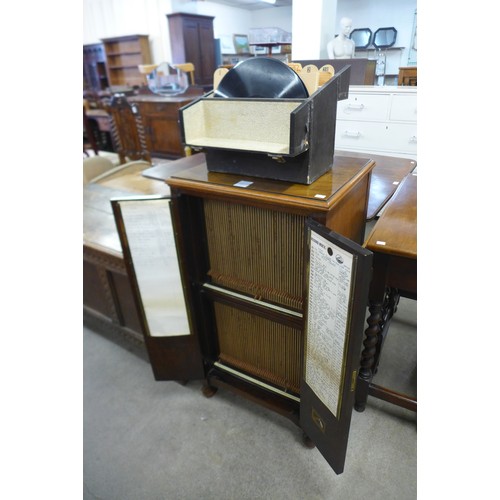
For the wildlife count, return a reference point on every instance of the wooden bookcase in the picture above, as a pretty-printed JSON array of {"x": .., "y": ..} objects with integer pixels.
[{"x": 123, "y": 56}]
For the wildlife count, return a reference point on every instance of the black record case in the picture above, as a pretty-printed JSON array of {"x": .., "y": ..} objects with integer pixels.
[{"x": 290, "y": 140}]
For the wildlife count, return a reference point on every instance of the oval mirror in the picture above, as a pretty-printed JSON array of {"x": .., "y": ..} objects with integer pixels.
[
  {"x": 362, "y": 37},
  {"x": 385, "y": 37}
]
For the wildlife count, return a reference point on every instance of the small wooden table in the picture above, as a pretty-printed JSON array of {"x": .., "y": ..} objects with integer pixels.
[
  {"x": 108, "y": 305},
  {"x": 393, "y": 242},
  {"x": 388, "y": 173}
]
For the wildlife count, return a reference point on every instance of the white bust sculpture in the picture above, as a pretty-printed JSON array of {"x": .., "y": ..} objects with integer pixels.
[{"x": 342, "y": 47}]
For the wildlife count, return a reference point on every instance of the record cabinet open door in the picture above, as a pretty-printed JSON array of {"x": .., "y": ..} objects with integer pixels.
[
  {"x": 337, "y": 276},
  {"x": 150, "y": 252}
]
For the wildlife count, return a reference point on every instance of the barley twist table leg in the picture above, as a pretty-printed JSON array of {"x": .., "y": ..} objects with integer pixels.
[{"x": 368, "y": 355}]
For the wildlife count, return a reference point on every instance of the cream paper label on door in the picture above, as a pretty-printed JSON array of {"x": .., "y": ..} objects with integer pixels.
[
  {"x": 329, "y": 290},
  {"x": 150, "y": 237}
]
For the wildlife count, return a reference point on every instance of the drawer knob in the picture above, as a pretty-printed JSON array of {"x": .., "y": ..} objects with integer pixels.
[{"x": 413, "y": 139}]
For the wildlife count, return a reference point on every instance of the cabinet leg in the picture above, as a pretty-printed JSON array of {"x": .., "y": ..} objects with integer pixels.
[
  {"x": 389, "y": 308},
  {"x": 306, "y": 440},
  {"x": 208, "y": 391}
]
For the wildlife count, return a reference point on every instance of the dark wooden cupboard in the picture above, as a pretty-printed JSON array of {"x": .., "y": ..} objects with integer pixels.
[
  {"x": 147, "y": 125},
  {"x": 192, "y": 40}
]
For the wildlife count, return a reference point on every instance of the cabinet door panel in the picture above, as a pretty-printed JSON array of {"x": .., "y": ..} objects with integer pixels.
[
  {"x": 145, "y": 226},
  {"x": 164, "y": 136},
  {"x": 160, "y": 120},
  {"x": 338, "y": 274},
  {"x": 192, "y": 44},
  {"x": 207, "y": 62}
]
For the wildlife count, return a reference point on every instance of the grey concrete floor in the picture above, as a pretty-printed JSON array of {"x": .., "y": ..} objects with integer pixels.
[{"x": 148, "y": 440}]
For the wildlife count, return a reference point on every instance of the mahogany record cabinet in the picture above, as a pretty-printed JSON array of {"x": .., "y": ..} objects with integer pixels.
[{"x": 275, "y": 287}]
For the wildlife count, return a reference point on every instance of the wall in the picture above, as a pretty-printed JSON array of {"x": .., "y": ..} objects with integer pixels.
[
  {"x": 106, "y": 18},
  {"x": 376, "y": 14},
  {"x": 311, "y": 20}
]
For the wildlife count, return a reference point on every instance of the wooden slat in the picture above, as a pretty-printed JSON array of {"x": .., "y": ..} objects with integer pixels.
[
  {"x": 262, "y": 348},
  {"x": 263, "y": 266}
]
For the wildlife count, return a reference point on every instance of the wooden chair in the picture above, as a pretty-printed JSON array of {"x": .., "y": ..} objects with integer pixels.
[
  {"x": 187, "y": 68},
  {"x": 94, "y": 167},
  {"x": 127, "y": 130},
  {"x": 146, "y": 69},
  {"x": 97, "y": 168},
  {"x": 88, "y": 132}
]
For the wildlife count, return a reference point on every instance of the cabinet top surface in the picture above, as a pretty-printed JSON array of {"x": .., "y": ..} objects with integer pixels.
[
  {"x": 99, "y": 228},
  {"x": 189, "y": 14},
  {"x": 162, "y": 99},
  {"x": 321, "y": 194},
  {"x": 383, "y": 89},
  {"x": 125, "y": 37}
]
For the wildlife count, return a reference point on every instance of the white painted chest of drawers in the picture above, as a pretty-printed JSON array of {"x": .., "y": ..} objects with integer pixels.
[{"x": 379, "y": 120}]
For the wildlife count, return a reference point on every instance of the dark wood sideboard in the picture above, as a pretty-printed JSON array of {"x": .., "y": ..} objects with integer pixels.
[{"x": 160, "y": 119}]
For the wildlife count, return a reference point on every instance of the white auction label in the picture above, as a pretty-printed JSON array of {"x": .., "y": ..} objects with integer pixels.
[{"x": 329, "y": 291}]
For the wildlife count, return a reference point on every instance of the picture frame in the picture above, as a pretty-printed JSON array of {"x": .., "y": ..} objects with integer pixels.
[
  {"x": 241, "y": 44},
  {"x": 226, "y": 44}
]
